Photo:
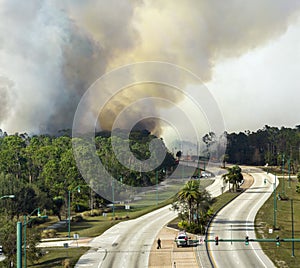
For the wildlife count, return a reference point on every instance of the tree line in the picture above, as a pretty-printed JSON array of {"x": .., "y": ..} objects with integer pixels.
[
  {"x": 40, "y": 170},
  {"x": 269, "y": 145}
]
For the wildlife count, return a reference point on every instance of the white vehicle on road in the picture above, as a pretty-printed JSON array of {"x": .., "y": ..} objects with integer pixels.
[{"x": 182, "y": 239}]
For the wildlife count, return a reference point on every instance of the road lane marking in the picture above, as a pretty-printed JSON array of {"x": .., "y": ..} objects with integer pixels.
[{"x": 247, "y": 233}]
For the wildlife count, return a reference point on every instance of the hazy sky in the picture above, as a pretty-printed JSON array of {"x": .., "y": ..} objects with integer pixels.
[
  {"x": 262, "y": 86},
  {"x": 246, "y": 52}
]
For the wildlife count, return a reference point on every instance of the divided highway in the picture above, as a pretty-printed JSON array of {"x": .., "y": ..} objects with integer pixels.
[
  {"x": 128, "y": 244},
  {"x": 237, "y": 221}
]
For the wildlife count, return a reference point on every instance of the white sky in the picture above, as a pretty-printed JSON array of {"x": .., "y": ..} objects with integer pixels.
[{"x": 261, "y": 87}]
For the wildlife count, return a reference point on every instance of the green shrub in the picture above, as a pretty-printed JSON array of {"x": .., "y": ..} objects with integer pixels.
[
  {"x": 106, "y": 210},
  {"x": 86, "y": 214},
  {"x": 49, "y": 233},
  {"x": 36, "y": 221},
  {"x": 194, "y": 228},
  {"x": 77, "y": 218},
  {"x": 183, "y": 224},
  {"x": 97, "y": 212},
  {"x": 80, "y": 206}
]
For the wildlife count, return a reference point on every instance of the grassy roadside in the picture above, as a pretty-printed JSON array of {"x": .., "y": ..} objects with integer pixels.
[
  {"x": 59, "y": 257},
  {"x": 223, "y": 199},
  {"x": 91, "y": 227},
  {"x": 282, "y": 255},
  {"x": 94, "y": 226}
]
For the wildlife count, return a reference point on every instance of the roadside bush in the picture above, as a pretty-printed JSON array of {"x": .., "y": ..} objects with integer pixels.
[
  {"x": 36, "y": 221},
  {"x": 66, "y": 263},
  {"x": 49, "y": 233},
  {"x": 77, "y": 218},
  {"x": 86, "y": 214},
  {"x": 106, "y": 210},
  {"x": 116, "y": 218},
  {"x": 96, "y": 212},
  {"x": 80, "y": 207},
  {"x": 193, "y": 228},
  {"x": 183, "y": 224}
]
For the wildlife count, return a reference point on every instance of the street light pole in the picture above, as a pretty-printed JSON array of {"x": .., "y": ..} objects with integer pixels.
[
  {"x": 156, "y": 181},
  {"x": 113, "y": 197},
  {"x": 25, "y": 231},
  {"x": 69, "y": 213},
  {"x": 282, "y": 170},
  {"x": 25, "y": 240},
  {"x": 69, "y": 208},
  {"x": 293, "y": 243},
  {"x": 198, "y": 162},
  {"x": 289, "y": 165},
  {"x": 19, "y": 244},
  {"x": 275, "y": 205}
]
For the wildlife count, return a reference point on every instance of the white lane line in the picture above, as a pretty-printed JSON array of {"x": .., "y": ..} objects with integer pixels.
[
  {"x": 251, "y": 211},
  {"x": 101, "y": 261}
]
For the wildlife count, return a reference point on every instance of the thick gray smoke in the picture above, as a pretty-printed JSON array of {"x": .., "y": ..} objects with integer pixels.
[{"x": 51, "y": 52}]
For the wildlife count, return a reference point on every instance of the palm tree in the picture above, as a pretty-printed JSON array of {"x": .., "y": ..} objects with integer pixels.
[
  {"x": 190, "y": 193},
  {"x": 233, "y": 176},
  {"x": 203, "y": 211}
]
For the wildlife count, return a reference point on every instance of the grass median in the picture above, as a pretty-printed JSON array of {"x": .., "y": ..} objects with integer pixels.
[{"x": 265, "y": 220}]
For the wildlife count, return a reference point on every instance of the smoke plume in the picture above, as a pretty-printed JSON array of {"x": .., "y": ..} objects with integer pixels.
[{"x": 52, "y": 51}]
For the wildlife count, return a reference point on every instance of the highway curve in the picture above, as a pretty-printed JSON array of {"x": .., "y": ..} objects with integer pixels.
[{"x": 236, "y": 221}]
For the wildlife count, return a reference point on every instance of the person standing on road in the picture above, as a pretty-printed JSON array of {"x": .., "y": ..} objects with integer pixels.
[{"x": 158, "y": 243}]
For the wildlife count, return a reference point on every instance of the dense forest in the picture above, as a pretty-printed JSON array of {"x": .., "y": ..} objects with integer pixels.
[
  {"x": 40, "y": 171},
  {"x": 270, "y": 145}
]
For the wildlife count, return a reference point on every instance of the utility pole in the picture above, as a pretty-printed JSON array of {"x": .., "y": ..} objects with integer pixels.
[
  {"x": 282, "y": 170},
  {"x": 19, "y": 244},
  {"x": 293, "y": 243},
  {"x": 275, "y": 205},
  {"x": 156, "y": 180},
  {"x": 198, "y": 160},
  {"x": 289, "y": 165}
]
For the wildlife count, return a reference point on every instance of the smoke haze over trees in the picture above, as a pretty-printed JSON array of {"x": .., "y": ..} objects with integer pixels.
[{"x": 52, "y": 51}]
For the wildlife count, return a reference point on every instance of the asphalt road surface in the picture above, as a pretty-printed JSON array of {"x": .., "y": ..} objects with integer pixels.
[
  {"x": 237, "y": 221},
  {"x": 128, "y": 244}
]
